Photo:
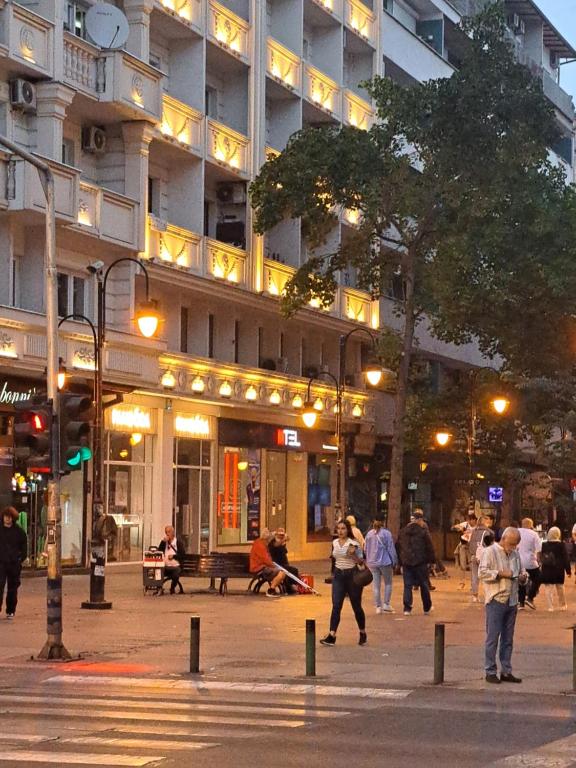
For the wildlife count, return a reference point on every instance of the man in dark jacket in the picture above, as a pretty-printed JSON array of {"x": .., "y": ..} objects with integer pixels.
[
  {"x": 174, "y": 552},
  {"x": 416, "y": 551},
  {"x": 13, "y": 551}
]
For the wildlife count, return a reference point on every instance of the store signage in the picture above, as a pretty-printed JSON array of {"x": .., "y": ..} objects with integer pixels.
[
  {"x": 130, "y": 418},
  {"x": 288, "y": 438},
  {"x": 10, "y": 396},
  {"x": 193, "y": 425},
  {"x": 495, "y": 494}
]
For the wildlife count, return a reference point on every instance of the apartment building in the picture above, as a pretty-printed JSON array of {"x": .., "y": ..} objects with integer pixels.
[{"x": 152, "y": 146}]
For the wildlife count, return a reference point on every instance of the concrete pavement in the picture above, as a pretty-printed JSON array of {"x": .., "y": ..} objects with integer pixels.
[{"x": 246, "y": 637}]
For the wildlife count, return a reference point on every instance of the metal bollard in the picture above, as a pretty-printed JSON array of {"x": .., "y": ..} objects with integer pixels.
[
  {"x": 195, "y": 645},
  {"x": 438, "y": 654},
  {"x": 310, "y": 647},
  {"x": 574, "y": 658}
]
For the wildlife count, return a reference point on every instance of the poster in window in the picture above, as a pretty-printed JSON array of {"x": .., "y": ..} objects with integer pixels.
[
  {"x": 121, "y": 489},
  {"x": 253, "y": 495}
]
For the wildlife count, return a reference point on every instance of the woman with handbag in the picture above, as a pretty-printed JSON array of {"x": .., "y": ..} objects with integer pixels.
[{"x": 350, "y": 576}]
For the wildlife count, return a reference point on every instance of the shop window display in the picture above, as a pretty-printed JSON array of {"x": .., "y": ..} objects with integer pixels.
[{"x": 239, "y": 495}]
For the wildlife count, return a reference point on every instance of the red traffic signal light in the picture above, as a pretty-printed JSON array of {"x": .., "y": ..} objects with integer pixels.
[
  {"x": 38, "y": 422},
  {"x": 33, "y": 435}
]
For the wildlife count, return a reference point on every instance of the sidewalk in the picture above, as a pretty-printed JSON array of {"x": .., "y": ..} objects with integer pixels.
[{"x": 250, "y": 637}]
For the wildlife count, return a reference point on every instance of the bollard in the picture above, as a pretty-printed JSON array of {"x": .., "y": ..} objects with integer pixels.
[
  {"x": 310, "y": 648},
  {"x": 194, "y": 644},
  {"x": 438, "y": 654},
  {"x": 574, "y": 658}
]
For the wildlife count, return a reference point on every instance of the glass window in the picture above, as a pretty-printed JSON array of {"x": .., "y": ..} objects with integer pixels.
[
  {"x": 78, "y": 295},
  {"x": 192, "y": 493},
  {"x": 238, "y": 503},
  {"x": 62, "y": 294},
  {"x": 320, "y": 517}
]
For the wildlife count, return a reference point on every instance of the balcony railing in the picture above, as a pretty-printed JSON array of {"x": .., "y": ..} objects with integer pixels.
[
  {"x": 276, "y": 276},
  {"x": 28, "y": 38},
  {"x": 356, "y": 111},
  {"x": 226, "y": 147},
  {"x": 189, "y": 11},
  {"x": 332, "y": 6},
  {"x": 24, "y": 191},
  {"x": 283, "y": 65},
  {"x": 225, "y": 262},
  {"x": 322, "y": 91},
  {"x": 228, "y": 30},
  {"x": 82, "y": 65},
  {"x": 360, "y": 19},
  {"x": 133, "y": 85},
  {"x": 108, "y": 215},
  {"x": 552, "y": 89},
  {"x": 355, "y": 305},
  {"x": 174, "y": 246},
  {"x": 181, "y": 124}
]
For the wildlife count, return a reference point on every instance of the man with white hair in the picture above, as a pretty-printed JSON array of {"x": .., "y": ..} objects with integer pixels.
[
  {"x": 500, "y": 572},
  {"x": 529, "y": 550}
]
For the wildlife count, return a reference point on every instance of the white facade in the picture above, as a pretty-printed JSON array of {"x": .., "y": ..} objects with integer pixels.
[{"x": 152, "y": 148}]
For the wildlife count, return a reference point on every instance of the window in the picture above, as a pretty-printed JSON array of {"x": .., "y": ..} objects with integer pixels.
[
  {"x": 75, "y": 19},
  {"x": 211, "y": 102},
  {"x": 236, "y": 341},
  {"x": 210, "y": 335},
  {"x": 183, "y": 329},
  {"x": 153, "y": 196},
  {"x": 154, "y": 60},
  {"x": 14, "y": 277},
  {"x": 71, "y": 295},
  {"x": 68, "y": 152}
]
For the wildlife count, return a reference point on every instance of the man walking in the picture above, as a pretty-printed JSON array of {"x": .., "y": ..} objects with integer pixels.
[
  {"x": 416, "y": 552},
  {"x": 529, "y": 550},
  {"x": 500, "y": 572},
  {"x": 381, "y": 558},
  {"x": 13, "y": 551}
]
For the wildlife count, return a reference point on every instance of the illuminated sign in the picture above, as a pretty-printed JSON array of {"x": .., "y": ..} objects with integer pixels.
[
  {"x": 193, "y": 425},
  {"x": 495, "y": 494},
  {"x": 11, "y": 396},
  {"x": 288, "y": 437},
  {"x": 130, "y": 419}
]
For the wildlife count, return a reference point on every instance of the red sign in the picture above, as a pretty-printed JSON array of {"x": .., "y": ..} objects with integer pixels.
[{"x": 288, "y": 437}]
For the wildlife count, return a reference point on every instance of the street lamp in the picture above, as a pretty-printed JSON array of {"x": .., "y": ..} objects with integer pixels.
[
  {"x": 148, "y": 319},
  {"x": 443, "y": 438}
]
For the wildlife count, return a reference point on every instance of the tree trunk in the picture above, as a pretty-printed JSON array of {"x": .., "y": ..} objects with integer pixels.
[{"x": 397, "y": 460}]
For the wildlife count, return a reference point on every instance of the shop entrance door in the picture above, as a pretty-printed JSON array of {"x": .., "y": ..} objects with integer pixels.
[
  {"x": 192, "y": 485},
  {"x": 28, "y": 497},
  {"x": 276, "y": 490}
]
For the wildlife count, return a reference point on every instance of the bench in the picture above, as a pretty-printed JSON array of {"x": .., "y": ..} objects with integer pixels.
[{"x": 223, "y": 566}]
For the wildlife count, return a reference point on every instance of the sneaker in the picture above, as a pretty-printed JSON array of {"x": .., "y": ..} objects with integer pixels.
[
  {"x": 328, "y": 640},
  {"x": 520, "y": 607},
  {"x": 432, "y": 588},
  {"x": 564, "y": 607},
  {"x": 530, "y": 604},
  {"x": 551, "y": 610},
  {"x": 510, "y": 678},
  {"x": 387, "y": 609},
  {"x": 272, "y": 593},
  {"x": 363, "y": 638},
  {"x": 407, "y": 613},
  {"x": 493, "y": 679},
  {"x": 378, "y": 609},
  {"x": 9, "y": 615},
  {"x": 429, "y": 611},
  {"x": 474, "y": 598}
]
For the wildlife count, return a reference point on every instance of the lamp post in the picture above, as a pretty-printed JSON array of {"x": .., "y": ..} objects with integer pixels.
[{"x": 147, "y": 318}]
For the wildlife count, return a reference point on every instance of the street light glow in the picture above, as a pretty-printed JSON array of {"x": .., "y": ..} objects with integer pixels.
[
  {"x": 148, "y": 319},
  {"x": 309, "y": 414},
  {"x": 61, "y": 376},
  {"x": 500, "y": 404},
  {"x": 443, "y": 438},
  {"x": 374, "y": 374}
]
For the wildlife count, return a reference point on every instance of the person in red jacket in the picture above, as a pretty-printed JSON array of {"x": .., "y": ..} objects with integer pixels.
[{"x": 262, "y": 564}]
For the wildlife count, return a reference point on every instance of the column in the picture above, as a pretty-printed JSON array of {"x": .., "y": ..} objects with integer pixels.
[
  {"x": 53, "y": 99},
  {"x": 137, "y": 137},
  {"x": 138, "y": 15}
]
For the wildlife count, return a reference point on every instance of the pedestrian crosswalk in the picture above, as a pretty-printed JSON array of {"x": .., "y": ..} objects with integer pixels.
[{"x": 82, "y": 720}]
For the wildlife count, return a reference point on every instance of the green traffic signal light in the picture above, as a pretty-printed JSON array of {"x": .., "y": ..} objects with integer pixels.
[
  {"x": 75, "y": 460},
  {"x": 85, "y": 453}
]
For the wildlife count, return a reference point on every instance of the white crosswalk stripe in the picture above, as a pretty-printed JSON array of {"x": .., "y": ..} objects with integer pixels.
[{"x": 80, "y": 720}]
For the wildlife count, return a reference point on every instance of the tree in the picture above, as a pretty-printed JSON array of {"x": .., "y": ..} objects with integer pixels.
[{"x": 457, "y": 198}]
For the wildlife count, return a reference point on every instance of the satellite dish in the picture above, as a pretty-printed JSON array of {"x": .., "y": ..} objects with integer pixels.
[{"x": 107, "y": 26}]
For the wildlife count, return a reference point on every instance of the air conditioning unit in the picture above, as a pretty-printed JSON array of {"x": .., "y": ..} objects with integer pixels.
[
  {"x": 94, "y": 140},
  {"x": 23, "y": 95},
  {"x": 233, "y": 194}
]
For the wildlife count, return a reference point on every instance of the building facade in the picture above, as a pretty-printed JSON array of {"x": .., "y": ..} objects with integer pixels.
[{"x": 152, "y": 146}]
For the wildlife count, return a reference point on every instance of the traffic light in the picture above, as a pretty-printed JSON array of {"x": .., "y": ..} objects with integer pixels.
[
  {"x": 76, "y": 416},
  {"x": 33, "y": 435}
]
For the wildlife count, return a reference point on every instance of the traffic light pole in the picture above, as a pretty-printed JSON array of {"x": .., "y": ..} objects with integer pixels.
[{"x": 53, "y": 647}]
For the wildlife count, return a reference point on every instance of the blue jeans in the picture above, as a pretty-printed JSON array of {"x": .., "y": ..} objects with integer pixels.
[
  {"x": 416, "y": 576},
  {"x": 500, "y": 622},
  {"x": 342, "y": 585},
  {"x": 380, "y": 572}
]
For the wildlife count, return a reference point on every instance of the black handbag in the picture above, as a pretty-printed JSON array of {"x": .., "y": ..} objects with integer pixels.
[{"x": 362, "y": 576}]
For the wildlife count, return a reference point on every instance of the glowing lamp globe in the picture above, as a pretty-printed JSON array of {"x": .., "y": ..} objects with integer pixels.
[
  {"x": 443, "y": 438},
  {"x": 500, "y": 404},
  {"x": 309, "y": 415},
  {"x": 148, "y": 318}
]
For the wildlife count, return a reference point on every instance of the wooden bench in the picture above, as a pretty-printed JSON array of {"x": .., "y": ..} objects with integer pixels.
[{"x": 222, "y": 566}]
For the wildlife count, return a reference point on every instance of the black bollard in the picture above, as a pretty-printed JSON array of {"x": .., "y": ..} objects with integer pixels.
[
  {"x": 195, "y": 645},
  {"x": 438, "y": 654},
  {"x": 310, "y": 648}
]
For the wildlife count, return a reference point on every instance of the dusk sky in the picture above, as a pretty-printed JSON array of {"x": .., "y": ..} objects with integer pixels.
[{"x": 562, "y": 13}]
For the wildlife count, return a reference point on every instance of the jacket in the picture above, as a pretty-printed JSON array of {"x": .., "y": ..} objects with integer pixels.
[
  {"x": 180, "y": 550},
  {"x": 415, "y": 545},
  {"x": 379, "y": 548},
  {"x": 555, "y": 562},
  {"x": 260, "y": 556},
  {"x": 13, "y": 544}
]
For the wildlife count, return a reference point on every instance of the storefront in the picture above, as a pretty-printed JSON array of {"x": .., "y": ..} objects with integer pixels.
[
  {"x": 27, "y": 490},
  {"x": 273, "y": 476}
]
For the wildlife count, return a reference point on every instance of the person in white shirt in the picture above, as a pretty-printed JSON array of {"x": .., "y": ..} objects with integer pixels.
[{"x": 529, "y": 549}]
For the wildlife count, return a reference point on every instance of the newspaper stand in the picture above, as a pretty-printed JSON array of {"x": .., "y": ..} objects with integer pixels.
[{"x": 153, "y": 571}]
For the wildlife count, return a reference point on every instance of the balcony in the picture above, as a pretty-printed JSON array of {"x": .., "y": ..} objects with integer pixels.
[
  {"x": 24, "y": 190},
  {"x": 28, "y": 40},
  {"x": 557, "y": 95},
  {"x": 83, "y": 68},
  {"x": 356, "y": 111},
  {"x": 227, "y": 30},
  {"x": 361, "y": 20},
  {"x": 355, "y": 305},
  {"x": 332, "y": 6},
  {"x": 4, "y": 166},
  {"x": 188, "y": 12},
  {"x": 323, "y": 92},
  {"x": 174, "y": 246},
  {"x": 108, "y": 215},
  {"x": 283, "y": 66},
  {"x": 226, "y": 147},
  {"x": 410, "y": 53},
  {"x": 276, "y": 276},
  {"x": 133, "y": 85},
  {"x": 181, "y": 125},
  {"x": 225, "y": 262}
]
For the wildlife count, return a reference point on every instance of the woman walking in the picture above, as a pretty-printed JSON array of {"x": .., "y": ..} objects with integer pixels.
[
  {"x": 555, "y": 563},
  {"x": 347, "y": 553},
  {"x": 381, "y": 558}
]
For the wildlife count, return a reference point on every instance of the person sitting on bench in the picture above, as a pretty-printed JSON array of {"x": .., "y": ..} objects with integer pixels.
[
  {"x": 174, "y": 552},
  {"x": 261, "y": 563},
  {"x": 279, "y": 554}
]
